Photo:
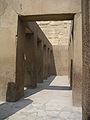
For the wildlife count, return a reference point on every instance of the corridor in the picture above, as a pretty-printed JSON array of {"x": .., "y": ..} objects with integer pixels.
[{"x": 51, "y": 100}]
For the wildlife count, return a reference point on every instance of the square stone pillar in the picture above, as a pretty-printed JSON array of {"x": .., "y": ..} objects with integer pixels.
[
  {"x": 44, "y": 61},
  {"x": 70, "y": 59},
  {"x": 86, "y": 59},
  {"x": 40, "y": 61},
  {"x": 48, "y": 62},
  {"x": 29, "y": 61},
  {"x": 77, "y": 61},
  {"x": 19, "y": 83}
]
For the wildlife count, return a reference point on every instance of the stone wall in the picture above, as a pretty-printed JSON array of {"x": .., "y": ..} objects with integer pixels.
[
  {"x": 8, "y": 32},
  {"x": 30, "y": 7},
  {"x": 18, "y": 59},
  {"x": 58, "y": 33},
  {"x": 70, "y": 58},
  {"x": 75, "y": 60},
  {"x": 9, "y": 12},
  {"x": 86, "y": 59}
]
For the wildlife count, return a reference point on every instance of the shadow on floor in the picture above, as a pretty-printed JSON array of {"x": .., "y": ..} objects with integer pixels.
[
  {"x": 45, "y": 85},
  {"x": 58, "y": 88},
  {"x": 9, "y": 108}
]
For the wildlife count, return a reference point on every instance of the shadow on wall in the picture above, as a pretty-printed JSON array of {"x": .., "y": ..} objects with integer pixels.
[
  {"x": 53, "y": 67},
  {"x": 60, "y": 53}
]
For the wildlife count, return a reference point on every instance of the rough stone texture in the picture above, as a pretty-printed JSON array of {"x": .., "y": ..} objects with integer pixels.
[
  {"x": 52, "y": 65},
  {"x": 51, "y": 100},
  {"x": 12, "y": 56},
  {"x": 31, "y": 56},
  {"x": 61, "y": 59},
  {"x": 58, "y": 33},
  {"x": 77, "y": 61},
  {"x": 29, "y": 61},
  {"x": 20, "y": 60},
  {"x": 8, "y": 28},
  {"x": 70, "y": 57},
  {"x": 86, "y": 59},
  {"x": 9, "y": 11},
  {"x": 40, "y": 60},
  {"x": 44, "y": 62},
  {"x": 30, "y": 7}
]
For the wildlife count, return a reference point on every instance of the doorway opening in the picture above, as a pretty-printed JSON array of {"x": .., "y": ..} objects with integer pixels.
[{"x": 51, "y": 60}]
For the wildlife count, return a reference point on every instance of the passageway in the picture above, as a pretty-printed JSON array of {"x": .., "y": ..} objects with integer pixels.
[
  {"x": 22, "y": 42},
  {"x": 51, "y": 100},
  {"x": 44, "y": 74}
]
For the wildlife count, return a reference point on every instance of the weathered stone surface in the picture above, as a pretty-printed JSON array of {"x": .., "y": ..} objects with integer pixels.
[
  {"x": 46, "y": 7},
  {"x": 77, "y": 61},
  {"x": 61, "y": 59},
  {"x": 29, "y": 61},
  {"x": 8, "y": 28},
  {"x": 12, "y": 57},
  {"x": 86, "y": 59},
  {"x": 12, "y": 71},
  {"x": 20, "y": 60},
  {"x": 70, "y": 58},
  {"x": 45, "y": 104},
  {"x": 58, "y": 33},
  {"x": 40, "y": 60}
]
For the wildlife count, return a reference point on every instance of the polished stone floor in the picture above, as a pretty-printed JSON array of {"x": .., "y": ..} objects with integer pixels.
[{"x": 51, "y": 100}]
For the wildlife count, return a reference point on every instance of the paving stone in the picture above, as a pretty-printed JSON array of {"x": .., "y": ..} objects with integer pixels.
[{"x": 43, "y": 104}]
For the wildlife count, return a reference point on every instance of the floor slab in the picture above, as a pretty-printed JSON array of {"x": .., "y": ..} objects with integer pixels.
[{"x": 51, "y": 100}]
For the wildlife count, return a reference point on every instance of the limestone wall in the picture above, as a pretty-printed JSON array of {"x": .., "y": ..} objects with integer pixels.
[
  {"x": 9, "y": 12},
  {"x": 14, "y": 44},
  {"x": 34, "y": 7},
  {"x": 75, "y": 60},
  {"x": 86, "y": 59},
  {"x": 58, "y": 33},
  {"x": 70, "y": 59},
  {"x": 8, "y": 32}
]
